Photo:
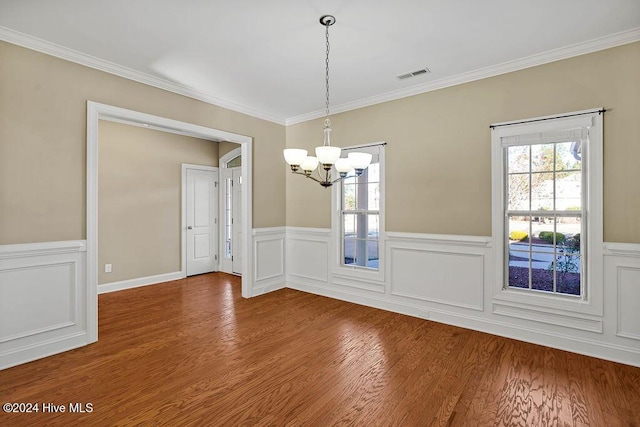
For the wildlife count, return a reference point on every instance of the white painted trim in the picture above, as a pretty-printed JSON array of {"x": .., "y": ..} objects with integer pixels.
[
  {"x": 622, "y": 249},
  {"x": 606, "y": 42},
  {"x": 96, "y": 112},
  {"x": 43, "y": 349},
  {"x": 229, "y": 156},
  {"x": 139, "y": 281},
  {"x": 81, "y": 58},
  {"x": 441, "y": 239},
  {"x": 183, "y": 215},
  {"x": 271, "y": 286},
  {"x": 528, "y": 313},
  {"x": 22, "y": 250},
  {"x": 322, "y": 232},
  {"x": 33, "y": 332},
  {"x": 269, "y": 230}
]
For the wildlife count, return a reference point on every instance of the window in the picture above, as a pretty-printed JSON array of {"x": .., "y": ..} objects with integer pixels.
[
  {"x": 544, "y": 213},
  {"x": 360, "y": 219},
  {"x": 548, "y": 205}
]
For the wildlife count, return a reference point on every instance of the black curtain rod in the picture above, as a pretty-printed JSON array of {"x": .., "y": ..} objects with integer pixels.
[
  {"x": 549, "y": 118},
  {"x": 365, "y": 146}
]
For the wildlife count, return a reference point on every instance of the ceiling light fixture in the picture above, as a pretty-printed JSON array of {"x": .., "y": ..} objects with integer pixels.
[{"x": 326, "y": 156}]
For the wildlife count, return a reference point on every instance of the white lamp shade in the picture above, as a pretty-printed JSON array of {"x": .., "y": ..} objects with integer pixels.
[
  {"x": 327, "y": 154},
  {"x": 309, "y": 164},
  {"x": 295, "y": 156},
  {"x": 360, "y": 160},
  {"x": 343, "y": 165}
]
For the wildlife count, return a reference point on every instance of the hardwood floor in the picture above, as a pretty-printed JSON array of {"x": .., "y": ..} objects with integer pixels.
[{"x": 194, "y": 352}]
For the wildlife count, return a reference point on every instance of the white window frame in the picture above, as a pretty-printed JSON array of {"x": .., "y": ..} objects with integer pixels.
[
  {"x": 591, "y": 300},
  {"x": 356, "y": 272}
]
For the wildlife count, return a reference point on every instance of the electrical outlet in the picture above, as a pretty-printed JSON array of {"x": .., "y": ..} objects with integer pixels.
[{"x": 107, "y": 268}]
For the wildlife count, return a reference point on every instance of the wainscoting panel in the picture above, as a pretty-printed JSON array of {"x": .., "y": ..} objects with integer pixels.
[
  {"x": 268, "y": 259},
  {"x": 622, "y": 266},
  {"x": 28, "y": 308},
  {"x": 43, "y": 307},
  {"x": 629, "y": 302},
  {"x": 308, "y": 253},
  {"x": 444, "y": 277}
]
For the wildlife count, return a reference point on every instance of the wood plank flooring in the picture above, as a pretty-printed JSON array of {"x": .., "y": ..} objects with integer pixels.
[{"x": 194, "y": 352}]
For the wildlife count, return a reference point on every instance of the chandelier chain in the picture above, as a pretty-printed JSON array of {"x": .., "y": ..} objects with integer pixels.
[{"x": 327, "y": 70}]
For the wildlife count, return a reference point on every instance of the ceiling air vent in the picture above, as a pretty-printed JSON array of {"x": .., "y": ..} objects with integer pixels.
[{"x": 414, "y": 73}]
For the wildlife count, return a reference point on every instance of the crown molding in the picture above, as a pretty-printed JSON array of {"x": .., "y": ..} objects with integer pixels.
[
  {"x": 40, "y": 45},
  {"x": 46, "y": 47},
  {"x": 606, "y": 42}
]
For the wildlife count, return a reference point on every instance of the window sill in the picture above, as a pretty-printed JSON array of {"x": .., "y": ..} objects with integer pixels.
[
  {"x": 360, "y": 274},
  {"x": 553, "y": 304}
]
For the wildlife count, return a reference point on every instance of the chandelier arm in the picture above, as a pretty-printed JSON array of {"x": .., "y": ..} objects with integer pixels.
[
  {"x": 346, "y": 177},
  {"x": 340, "y": 179},
  {"x": 306, "y": 176},
  {"x": 312, "y": 178}
]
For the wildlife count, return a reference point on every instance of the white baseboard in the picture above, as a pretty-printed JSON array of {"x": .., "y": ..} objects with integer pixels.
[
  {"x": 607, "y": 351},
  {"x": 140, "y": 281},
  {"x": 266, "y": 288},
  {"x": 42, "y": 349}
]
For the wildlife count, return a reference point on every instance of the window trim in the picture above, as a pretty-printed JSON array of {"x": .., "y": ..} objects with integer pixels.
[
  {"x": 354, "y": 272},
  {"x": 591, "y": 302}
]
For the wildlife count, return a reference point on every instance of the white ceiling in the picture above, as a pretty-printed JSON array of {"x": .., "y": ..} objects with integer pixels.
[{"x": 267, "y": 57}]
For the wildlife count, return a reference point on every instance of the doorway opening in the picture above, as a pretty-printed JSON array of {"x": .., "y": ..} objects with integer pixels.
[{"x": 97, "y": 112}]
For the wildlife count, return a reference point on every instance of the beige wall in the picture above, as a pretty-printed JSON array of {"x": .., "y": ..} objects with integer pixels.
[
  {"x": 438, "y": 153},
  {"x": 139, "y": 193},
  {"x": 225, "y": 147},
  {"x": 43, "y": 137}
]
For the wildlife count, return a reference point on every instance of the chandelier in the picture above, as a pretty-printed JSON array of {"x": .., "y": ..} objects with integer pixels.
[{"x": 327, "y": 157}]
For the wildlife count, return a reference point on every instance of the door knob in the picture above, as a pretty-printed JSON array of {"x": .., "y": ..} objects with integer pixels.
[{"x": 189, "y": 228}]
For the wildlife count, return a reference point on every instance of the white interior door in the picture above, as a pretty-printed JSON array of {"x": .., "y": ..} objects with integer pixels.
[
  {"x": 236, "y": 221},
  {"x": 201, "y": 211}
]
